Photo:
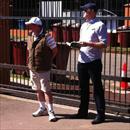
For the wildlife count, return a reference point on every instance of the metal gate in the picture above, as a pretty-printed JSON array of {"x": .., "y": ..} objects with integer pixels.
[{"x": 63, "y": 18}]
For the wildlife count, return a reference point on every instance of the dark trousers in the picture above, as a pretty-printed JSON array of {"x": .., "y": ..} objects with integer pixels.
[{"x": 85, "y": 72}]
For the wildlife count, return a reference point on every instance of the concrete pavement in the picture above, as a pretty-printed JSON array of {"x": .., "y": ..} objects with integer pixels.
[{"x": 15, "y": 114}]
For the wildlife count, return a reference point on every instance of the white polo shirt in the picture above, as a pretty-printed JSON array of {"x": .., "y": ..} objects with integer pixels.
[{"x": 92, "y": 31}]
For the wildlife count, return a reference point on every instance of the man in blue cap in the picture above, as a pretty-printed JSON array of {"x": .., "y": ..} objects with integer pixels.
[{"x": 93, "y": 38}]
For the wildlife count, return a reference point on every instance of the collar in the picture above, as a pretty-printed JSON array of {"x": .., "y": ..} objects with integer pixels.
[
  {"x": 91, "y": 21},
  {"x": 35, "y": 37}
]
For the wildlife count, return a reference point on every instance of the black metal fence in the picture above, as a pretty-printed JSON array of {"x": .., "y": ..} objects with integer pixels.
[{"x": 62, "y": 18}]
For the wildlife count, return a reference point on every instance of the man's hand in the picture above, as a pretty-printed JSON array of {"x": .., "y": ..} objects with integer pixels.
[{"x": 83, "y": 44}]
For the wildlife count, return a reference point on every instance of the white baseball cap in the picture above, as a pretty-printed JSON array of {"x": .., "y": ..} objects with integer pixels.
[{"x": 34, "y": 20}]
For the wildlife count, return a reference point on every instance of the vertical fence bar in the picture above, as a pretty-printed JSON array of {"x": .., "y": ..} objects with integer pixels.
[{"x": 4, "y": 40}]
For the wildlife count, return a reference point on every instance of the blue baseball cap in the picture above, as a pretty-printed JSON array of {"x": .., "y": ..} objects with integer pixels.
[{"x": 89, "y": 6}]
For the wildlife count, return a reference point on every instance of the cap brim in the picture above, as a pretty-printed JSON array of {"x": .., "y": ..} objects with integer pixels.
[
  {"x": 82, "y": 7},
  {"x": 88, "y": 6},
  {"x": 28, "y": 23}
]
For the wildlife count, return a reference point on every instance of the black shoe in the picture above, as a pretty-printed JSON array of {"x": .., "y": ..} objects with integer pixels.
[
  {"x": 80, "y": 116},
  {"x": 98, "y": 120}
]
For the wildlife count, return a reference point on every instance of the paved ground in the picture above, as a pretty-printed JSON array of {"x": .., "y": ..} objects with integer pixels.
[{"x": 15, "y": 114}]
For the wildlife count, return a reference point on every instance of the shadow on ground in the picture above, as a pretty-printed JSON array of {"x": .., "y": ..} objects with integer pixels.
[{"x": 91, "y": 116}]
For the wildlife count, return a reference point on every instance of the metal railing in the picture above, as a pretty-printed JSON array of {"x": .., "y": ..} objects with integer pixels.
[{"x": 64, "y": 79}]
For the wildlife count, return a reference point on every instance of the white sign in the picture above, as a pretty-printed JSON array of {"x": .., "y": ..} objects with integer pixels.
[{"x": 51, "y": 8}]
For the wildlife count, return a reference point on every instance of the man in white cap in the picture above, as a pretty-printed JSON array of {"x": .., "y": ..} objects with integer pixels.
[
  {"x": 42, "y": 49},
  {"x": 93, "y": 38}
]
